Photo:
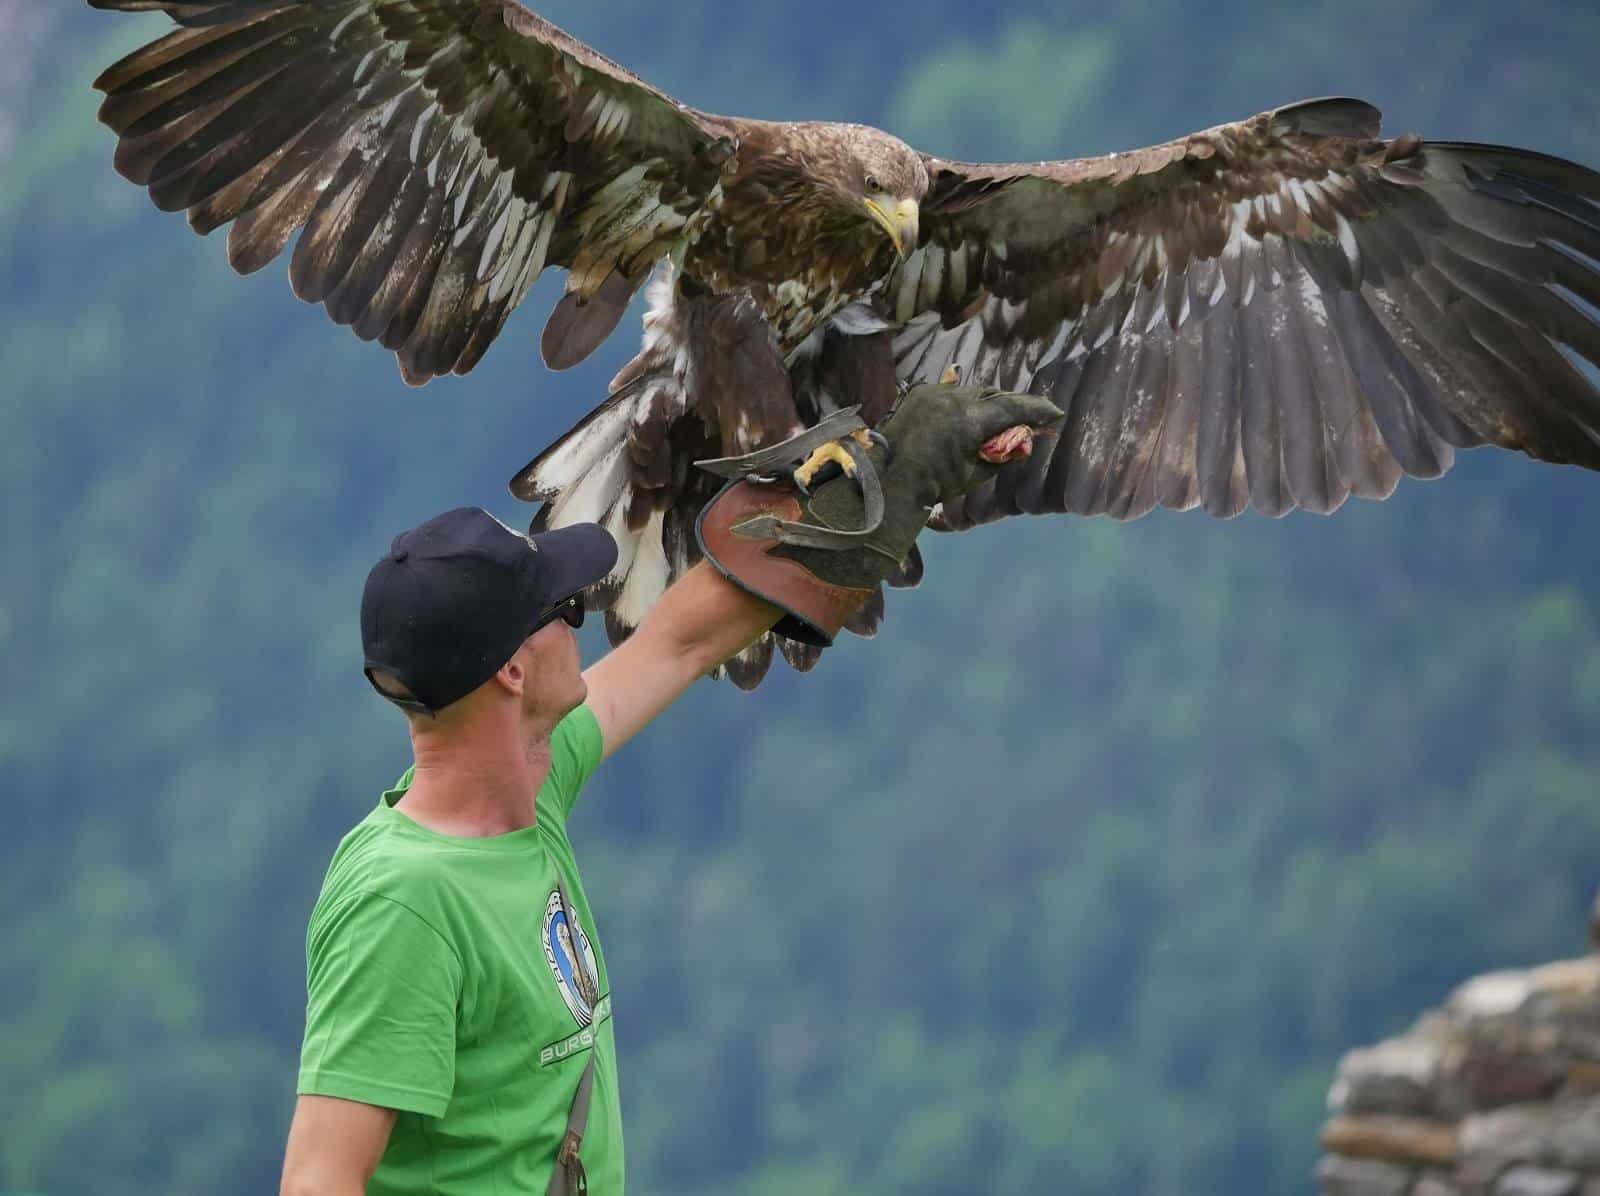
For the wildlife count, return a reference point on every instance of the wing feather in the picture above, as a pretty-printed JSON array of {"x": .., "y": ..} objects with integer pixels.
[
  {"x": 1127, "y": 495},
  {"x": 1096, "y": 404},
  {"x": 1257, "y": 415},
  {"x": 1174, "y": 475},
  {"x": 1219, "y": 454},
  {"x": 1266, "y": 385}
]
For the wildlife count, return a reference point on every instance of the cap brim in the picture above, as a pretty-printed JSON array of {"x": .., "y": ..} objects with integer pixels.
[{"x": 574, "y": 558}]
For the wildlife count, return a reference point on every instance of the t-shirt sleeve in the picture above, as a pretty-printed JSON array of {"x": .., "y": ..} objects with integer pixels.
[
  {"x": 382, "y": 988},
  {"x": 576, "y": 746}
]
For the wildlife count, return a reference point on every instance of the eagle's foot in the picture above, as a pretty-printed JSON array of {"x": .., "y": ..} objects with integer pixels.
[
  {"x": 813, "y": 470},
  {"x": 832, "y": 459}
]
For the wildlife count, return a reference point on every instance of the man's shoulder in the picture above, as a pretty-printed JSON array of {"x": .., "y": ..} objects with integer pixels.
[{"x": 374, "y": 857}]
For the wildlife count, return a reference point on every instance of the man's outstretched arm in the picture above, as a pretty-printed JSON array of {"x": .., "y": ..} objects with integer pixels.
[
  {"x": 700, "y": 621},
  {"x": 947, "y": 439}
]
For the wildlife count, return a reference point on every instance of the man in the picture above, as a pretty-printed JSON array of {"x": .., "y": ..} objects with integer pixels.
[{"x": 458, "y": 1025}]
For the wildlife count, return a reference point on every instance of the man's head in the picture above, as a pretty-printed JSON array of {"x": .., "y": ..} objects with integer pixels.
[{"x": 463, "y": 604}]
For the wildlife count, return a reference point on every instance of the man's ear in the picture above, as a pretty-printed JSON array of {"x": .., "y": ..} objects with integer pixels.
[{"x": 512, "y": 677}]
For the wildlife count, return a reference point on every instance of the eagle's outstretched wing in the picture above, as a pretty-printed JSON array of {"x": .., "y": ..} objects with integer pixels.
[
  {"x": 439, "y": 154},
  {"x": 1280, "y": 312}
]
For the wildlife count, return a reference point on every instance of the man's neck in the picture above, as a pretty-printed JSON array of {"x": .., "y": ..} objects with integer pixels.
[{"x": 478, "y": 779}]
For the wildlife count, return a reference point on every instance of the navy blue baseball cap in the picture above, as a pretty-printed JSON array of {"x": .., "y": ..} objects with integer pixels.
[{"x": 455, "y": 598}]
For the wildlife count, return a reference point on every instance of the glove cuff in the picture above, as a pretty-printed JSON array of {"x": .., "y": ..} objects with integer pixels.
[{"x": 814, "y": 608}]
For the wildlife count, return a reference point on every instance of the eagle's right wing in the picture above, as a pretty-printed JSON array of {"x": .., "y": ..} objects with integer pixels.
[{"x": 439, "y": 154}]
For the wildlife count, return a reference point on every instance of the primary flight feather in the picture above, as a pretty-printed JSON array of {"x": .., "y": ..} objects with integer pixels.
[{"x": 1277, "y": 313}]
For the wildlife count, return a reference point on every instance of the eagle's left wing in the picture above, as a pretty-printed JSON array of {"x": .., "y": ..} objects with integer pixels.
[{"x": 1280, "y": 312}]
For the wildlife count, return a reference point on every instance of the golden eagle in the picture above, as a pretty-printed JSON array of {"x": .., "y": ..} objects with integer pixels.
[{"x": 1278, "y": 313}]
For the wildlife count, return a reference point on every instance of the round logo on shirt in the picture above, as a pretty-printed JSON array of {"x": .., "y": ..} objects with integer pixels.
[{"x": 571, "y": 959}]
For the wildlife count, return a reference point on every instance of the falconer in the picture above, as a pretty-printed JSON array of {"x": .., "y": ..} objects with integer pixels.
[{"x": 458, "y": 1032}]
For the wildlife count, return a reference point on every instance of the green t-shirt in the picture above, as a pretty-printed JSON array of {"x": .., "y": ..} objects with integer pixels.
[{"x": 445, "y": 980}]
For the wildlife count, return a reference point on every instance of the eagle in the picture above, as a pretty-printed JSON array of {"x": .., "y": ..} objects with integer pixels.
[{"x": 1276, "y": 313}]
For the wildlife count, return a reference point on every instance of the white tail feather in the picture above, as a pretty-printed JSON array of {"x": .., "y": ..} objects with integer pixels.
[
  {"x": 597, "y": 491},
  {"x": 587, "y": 475},
  {"x": 627, "y": 543},
  {"x": 647, "y": 579},
  {"x": 576, "y": 454}
]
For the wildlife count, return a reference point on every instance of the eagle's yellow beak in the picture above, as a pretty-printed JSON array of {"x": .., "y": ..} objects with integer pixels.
[{"x": 901, "y": 221}]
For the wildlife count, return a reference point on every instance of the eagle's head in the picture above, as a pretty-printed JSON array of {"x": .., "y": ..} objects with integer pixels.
[{"x": 888, "y": 179}]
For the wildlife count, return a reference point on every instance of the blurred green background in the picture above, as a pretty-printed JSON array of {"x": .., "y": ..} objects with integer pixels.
[{"x": 1079, "y": 878}]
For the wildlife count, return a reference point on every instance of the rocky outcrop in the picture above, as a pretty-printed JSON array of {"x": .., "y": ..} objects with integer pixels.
[{"x": 1495, "y": 1094}]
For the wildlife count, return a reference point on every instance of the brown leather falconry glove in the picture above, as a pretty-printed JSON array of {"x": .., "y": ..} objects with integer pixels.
[{"x": 819, "y": 556}]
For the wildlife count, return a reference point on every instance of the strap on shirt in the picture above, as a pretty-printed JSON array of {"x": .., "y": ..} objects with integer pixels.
[{"x": 568, "y": 1178}]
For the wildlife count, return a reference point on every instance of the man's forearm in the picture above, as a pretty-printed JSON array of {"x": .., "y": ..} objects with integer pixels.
[
  {"x": 706, "y": 618},
  {"x": 700, "y": 621}
]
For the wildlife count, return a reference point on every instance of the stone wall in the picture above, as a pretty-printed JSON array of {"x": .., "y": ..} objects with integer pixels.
[{"x": 1495, "y": 1094}]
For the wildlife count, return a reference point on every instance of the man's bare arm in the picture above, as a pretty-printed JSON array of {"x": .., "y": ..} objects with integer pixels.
[
  {"x": 334, "y": 1146},
  {"x": 700, "y": 621}
]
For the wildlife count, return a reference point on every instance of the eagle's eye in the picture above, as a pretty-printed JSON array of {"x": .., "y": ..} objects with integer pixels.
[{"x": 873, "y": 184}]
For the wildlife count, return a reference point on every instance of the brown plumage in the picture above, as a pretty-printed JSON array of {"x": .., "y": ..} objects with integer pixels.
[{"x": 1275, "y": 313}]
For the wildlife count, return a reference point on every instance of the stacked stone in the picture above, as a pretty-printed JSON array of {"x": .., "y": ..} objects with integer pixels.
[{"x": 1496, "y": 1094}]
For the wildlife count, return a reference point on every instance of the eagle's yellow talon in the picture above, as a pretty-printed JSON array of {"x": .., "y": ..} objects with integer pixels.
[{"x": 832, "y": 451}]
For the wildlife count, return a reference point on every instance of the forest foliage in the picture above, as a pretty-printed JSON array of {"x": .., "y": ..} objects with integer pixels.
[{"x": 1078, "y": 878}]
